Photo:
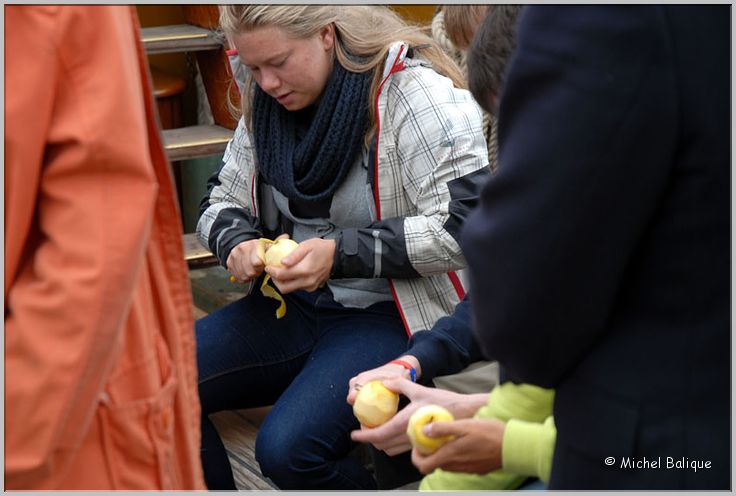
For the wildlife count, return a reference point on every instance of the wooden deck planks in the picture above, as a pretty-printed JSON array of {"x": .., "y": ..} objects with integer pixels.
[{"x": 238, "y": 430}]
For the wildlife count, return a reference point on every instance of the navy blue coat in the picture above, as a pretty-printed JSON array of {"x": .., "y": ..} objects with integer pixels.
[{"x": 600, "y": 254}]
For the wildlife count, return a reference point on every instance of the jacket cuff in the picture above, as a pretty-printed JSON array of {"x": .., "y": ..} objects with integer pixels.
[
  {"x": 378, "y": 250},
  {"x": 226, "y": 247},
  {"x": 347, "y": 262},
  {"x": 430, "y": 353},
  {"x": 231, "y": 227},
  {"x": 520, "y": 401},
  {"x": 528, "y": 448}
]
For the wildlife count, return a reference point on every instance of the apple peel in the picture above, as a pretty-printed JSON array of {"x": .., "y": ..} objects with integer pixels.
[{"x": 271, "y": 253}]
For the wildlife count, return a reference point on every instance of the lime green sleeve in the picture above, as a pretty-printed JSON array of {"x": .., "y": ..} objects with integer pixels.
[
  {"x": 528, "y": 447},
  {"x": 518, "y": 401}
]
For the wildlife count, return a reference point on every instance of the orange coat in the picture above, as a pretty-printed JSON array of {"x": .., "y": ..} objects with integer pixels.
[{"x": 100, "y": 372}]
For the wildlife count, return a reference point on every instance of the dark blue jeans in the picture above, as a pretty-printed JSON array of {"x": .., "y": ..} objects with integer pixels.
[{"x": 301, "y": 364}]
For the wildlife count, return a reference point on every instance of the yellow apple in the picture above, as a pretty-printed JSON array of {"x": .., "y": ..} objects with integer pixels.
[
  {"x": 423, "y": 416},
  {"x": 278, "y": 250},
  {"x": 271, "y": 253},
  {"x": 375, "y": 404}
]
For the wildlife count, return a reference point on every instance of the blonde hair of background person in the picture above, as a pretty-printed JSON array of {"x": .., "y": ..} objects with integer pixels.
[
  {"x": 453, "y": 27},
  {"x": 462, "y": 21},
  {"x": 363, "y": 35}
]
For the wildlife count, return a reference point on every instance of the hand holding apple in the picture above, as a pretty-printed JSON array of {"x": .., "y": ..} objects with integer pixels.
[
  {"x": 273, "y": 252},
  {"x": 248, "y": 259},
  {"x": 308, "y": 267},
  {"x": 425, "y": 415},
  {"x": 244, "y": 262},
  {"x": 383, "y": 372},
  {"x": 476, "y": 447},
  {"x": 391, "y": 436}
]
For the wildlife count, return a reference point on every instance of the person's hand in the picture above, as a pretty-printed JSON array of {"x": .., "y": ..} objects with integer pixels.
[
  {"x": 308, "y": 267},
  {"x": 244, "y": 262},
  {"x": 476, "y": 448},
  {"x": 387, "y": 371},
  {"x": 391, "y": 437}
]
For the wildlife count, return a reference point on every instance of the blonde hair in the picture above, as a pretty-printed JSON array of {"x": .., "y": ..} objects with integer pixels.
[
  {"x": 461, "y": 22},
  {"x": 363, "y": 35}
]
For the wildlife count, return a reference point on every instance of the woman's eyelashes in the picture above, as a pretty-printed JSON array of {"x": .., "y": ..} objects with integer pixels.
[{"x": 275, "y": 65}]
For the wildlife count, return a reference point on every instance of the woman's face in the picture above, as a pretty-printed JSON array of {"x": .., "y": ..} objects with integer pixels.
[{"x": 294, "y": 71}]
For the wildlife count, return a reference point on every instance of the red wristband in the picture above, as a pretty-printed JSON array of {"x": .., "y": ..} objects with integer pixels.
[{"x": 407, "y": 366}]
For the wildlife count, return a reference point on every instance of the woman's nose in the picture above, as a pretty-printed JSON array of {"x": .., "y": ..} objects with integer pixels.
[{"x": 269, "y": 81}]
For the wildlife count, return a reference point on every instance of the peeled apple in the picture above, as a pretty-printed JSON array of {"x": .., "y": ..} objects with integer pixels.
[
  {"x": 271, "y": 253},
  {"x": 375, "y": 404},
  {"x": 423, "y": 416},
  {"x": 277, "y": 251}
]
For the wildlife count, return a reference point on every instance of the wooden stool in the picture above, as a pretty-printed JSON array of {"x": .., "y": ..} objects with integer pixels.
[{"x": 168, "y": 89}]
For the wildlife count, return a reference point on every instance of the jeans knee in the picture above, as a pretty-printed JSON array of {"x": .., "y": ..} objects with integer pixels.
[{"x": 287, "y": 464}]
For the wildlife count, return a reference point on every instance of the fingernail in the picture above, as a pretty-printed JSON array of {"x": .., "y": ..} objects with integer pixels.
[{"x": 428, "y": 429}]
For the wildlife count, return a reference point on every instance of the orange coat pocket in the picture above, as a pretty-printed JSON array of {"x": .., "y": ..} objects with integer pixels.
[
  {"x": 138, "y": 435},
  {"x": 138, "y": 440}
]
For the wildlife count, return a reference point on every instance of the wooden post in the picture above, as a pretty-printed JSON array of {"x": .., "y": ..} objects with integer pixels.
[{"x": 214, "y": 68}]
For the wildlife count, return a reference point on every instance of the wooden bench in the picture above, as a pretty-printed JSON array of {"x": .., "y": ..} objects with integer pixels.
[
  {"x": 238, "y": 430},
  {"x": 196, "y": 255}
]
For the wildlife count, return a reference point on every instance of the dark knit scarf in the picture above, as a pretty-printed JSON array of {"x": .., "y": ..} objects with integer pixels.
[{"x": 312, "y": 168}]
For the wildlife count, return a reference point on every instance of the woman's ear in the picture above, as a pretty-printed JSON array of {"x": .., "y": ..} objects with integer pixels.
[{"x": 327, "y": 36}]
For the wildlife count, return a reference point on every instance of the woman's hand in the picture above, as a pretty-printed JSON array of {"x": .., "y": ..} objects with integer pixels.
[
  {"x": 244, "y": 262},
  {"x": 476, "y": 449},
  {"x": 387, "y": 371},
  {"x": 308, "y": 267},
  {"x": 391, "y": 437}
]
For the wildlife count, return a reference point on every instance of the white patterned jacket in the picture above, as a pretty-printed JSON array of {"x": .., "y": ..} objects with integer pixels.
[{"x": 430, "y": 160}]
